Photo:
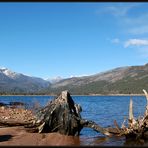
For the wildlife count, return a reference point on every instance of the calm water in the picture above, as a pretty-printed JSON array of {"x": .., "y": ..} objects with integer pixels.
[{"x": 101, "y": 109}]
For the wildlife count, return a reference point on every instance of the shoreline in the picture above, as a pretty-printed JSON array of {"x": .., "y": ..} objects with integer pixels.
[
  {"x": 84, "y": 95},
  {"x": 18, "y": 136}
]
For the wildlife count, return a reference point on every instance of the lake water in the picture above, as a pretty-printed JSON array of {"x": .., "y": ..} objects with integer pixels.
[{"x": 101, "y": 109}]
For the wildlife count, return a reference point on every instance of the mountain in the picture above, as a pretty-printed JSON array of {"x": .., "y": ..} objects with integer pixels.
[
  {"x": 54, "y": 80},
  {"x": 12, "y": 82},
  {"x": 122, "y": 80},
  {"x": 130, "y": 79}
]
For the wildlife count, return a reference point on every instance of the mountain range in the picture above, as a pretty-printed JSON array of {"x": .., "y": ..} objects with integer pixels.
[
  {"x": 16, "y": 83},
  {"x": 122, "y": 80}
]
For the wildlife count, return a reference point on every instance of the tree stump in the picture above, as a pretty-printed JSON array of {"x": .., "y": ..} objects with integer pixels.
[{"x": 63, "y": 115}]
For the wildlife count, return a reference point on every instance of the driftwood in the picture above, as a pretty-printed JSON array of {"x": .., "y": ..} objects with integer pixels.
[
  {"x": 13, "y": 123},
  {"x": 137, "y": 129},
  {"x": 63, "y": 115}
]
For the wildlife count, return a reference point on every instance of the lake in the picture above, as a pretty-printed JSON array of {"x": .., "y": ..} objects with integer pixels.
[{"x": 101, "y": 109}]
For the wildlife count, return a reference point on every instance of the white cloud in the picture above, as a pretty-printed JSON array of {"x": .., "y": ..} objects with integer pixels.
[
  {"x": 115, "y": 40},
  {"x": 136, "y": 42},
  {"x": 117, "y": 9},
  {"x": 139, "y": 20},
  {"x": 128, "y": 17},
  {"x": 137, "y": 25},
  {"x": 140, "y": 45},
  {"x": 139, "y": 30}
]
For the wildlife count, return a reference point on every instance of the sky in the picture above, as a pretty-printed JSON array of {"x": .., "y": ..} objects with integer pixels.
[{"x": 47, "y": 39}]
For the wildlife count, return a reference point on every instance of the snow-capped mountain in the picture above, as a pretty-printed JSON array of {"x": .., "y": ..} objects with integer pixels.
[
  {"x": 16, "y": 82},
  {"x": 9, "y": 73},
  {"x": 129, "y": 79}
]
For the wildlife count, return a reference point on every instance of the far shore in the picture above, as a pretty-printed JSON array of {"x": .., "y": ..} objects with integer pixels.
[{"x": 82, "y": 95}]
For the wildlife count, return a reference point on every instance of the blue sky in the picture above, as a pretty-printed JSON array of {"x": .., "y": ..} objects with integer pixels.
[{"x": 72, "y": 39}]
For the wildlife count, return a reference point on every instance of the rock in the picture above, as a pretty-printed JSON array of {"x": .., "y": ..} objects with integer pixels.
[
  {"x": 16, "y": 104},
  {"x": 6, "y": 118},
  {"x": 2, "y": 108}
]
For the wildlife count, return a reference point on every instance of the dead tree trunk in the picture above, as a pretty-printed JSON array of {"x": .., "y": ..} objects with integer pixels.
[
  {"x": 63, "y": 115},
  {"x": 138, "y": 128}
]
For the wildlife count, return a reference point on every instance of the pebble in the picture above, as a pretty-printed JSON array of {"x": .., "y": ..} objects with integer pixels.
[
  {"x": 2, "y": 108},
  {"x": 16, "y": 114},
  {"x": 6, "y": 118}
]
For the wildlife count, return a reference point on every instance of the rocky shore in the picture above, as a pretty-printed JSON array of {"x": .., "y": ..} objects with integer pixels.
[
  {"x": 15, "y": 114},
  {"x": 19, "y": 136}
]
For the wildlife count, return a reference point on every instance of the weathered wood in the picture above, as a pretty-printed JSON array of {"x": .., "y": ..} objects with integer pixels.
[
  {"x": 131, "y": 117},
  {"x": 13, "y": 123},
  {"x": 138, "y": 128},
  {"x": 146, "y": 95},
  {"x": 94, "y": 126},
  {"x": 117, "y": 126},
  {"x": 63, "y": 115}
]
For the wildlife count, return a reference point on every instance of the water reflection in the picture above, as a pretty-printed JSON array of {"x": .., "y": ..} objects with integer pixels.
[{"x": 102, "y": 141}]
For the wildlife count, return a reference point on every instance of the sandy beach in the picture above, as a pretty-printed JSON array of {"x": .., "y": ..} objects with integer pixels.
[
  {"x": 13, "y": 135},
  {"x": 18, "y": 136}
]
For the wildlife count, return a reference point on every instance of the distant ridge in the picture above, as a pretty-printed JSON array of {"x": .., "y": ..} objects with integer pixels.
[
  {"x": 17, "y": 83},
  {"x": 121, "y": 80}
]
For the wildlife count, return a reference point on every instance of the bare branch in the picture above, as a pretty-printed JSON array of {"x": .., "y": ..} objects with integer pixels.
[
  {"x": 146, "y": 94},
  {"x": 131, "y": 117}
]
